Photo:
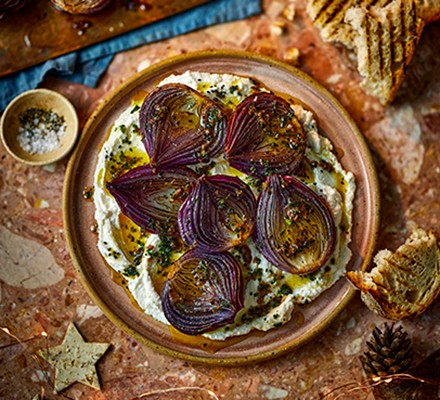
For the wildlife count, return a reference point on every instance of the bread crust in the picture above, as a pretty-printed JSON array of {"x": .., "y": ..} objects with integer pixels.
[
  {"x": 428, "y": 10},
  {"x": 402, "y": 284},
  {"x": 383, "y": 34}
]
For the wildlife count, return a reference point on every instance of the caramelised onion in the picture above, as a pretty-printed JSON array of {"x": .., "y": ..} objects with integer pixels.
[
  {"x": 295, "y": 228},
  {"x": 180, "y": 126},
  {"x": 218, "y": 214},
  {"x": 202, "y": 292},
  {"x": 150, "y": 198},
  {"x": 264, "y": 137}
]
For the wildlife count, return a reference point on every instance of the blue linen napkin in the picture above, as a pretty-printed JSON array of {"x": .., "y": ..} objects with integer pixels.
[{"x": 87, "y": 65}]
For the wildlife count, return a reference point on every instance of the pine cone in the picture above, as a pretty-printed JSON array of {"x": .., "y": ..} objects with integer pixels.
[{"x": 390, "y": 352}]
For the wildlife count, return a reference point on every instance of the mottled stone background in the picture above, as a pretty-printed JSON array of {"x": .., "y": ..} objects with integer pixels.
[{"x": 40, "y": 291}]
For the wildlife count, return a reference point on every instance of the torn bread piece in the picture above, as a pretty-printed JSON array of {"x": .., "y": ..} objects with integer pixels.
[
  {"x": 404, "y": 283},
  {"x": 428, "y": 10},
  {"x": 329, "y": 17},
  {"x": 382, "y": 33},
  {"x": 385, "y": 39}
]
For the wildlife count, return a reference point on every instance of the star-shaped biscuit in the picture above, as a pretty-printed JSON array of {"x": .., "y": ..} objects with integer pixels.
[{"x": 74, "y": 360}]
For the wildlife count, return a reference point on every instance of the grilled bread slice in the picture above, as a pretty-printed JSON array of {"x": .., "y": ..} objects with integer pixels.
[
  {"x": 382, "y": 33},
  {"x": 329, "y": 17},
  {"x": 385, "y": 39},
  {"x": 402, "y": 284},
  {"x": 428, "y": 10}
]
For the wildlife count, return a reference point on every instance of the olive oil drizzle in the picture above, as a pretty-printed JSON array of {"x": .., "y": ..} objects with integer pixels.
[{"x": 127, "y": 157}]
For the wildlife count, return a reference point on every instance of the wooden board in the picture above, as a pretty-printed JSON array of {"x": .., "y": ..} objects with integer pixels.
[{"x": 39, "y": 32}]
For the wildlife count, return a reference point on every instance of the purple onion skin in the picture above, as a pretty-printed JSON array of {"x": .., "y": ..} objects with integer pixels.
[
  {"x": 11, "y": 5},
  {"x": 295, "y": 230},
  {"x": 218, "y": 214},
  {"x": 150, "y": 198},
  {"x": 180, "y": 126},
  {"x": 264, "y": 137},
  {"x": 202, "y": 292}
]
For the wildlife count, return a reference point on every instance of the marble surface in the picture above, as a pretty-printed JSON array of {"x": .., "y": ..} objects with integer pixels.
[{"x": 40, "y": 292}]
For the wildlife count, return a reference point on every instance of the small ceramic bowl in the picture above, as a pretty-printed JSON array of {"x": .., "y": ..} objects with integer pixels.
[{"x": 44, "y": 99}]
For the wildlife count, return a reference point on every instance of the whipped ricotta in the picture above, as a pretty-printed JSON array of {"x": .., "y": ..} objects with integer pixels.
[{"x": 270, "y": 294}]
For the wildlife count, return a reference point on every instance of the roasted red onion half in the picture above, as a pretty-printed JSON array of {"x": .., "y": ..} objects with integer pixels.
[
  {"x": 181, "y": 126},
  {"x": 264, "y": 137},
  {"x": 218, "y": 214},
  {"x": 295, "y": 228},
  {"x": 150, "y": 198},
  {"x": 202, "y": 292}
]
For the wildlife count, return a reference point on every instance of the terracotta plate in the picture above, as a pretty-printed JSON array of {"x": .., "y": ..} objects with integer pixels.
[{"x": 309, "y": 320}]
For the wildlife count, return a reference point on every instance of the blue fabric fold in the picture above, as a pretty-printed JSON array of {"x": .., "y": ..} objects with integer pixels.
[{"x": 86, "y": 66}]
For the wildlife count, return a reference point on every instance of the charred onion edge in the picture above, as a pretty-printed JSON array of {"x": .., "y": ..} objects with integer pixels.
[
  {"x": 202, "y": 216},
  {"x": 196, "y": 145},
  {"x": 216, "y": 311},
  {"x": 245, "y": 132},
  {"x": 135, "y": 201},
  {"x": 265, "y": 223}
]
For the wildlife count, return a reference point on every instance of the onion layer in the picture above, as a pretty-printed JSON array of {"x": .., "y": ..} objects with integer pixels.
[
  {"x": 181, "y": 126},
  {"x": 203, "y": 292},
  {"x": 295, "y": 227},
  {"x": 264, "y": 137},
  {"x": 152, "y": 199},
  {"x": 218, "y": 214}
]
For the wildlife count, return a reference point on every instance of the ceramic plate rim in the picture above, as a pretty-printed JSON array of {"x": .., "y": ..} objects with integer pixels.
[{"x": 70, "y": 234}]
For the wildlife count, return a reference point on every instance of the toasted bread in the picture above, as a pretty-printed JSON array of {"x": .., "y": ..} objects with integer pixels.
[
  {"x": 329, "y": 17},
  {"x": 382, "y": 33},
  {"x": 404, "y": 283},
  {"x": 428, "y": 10},
  {"x": 385, "y": 40}
]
